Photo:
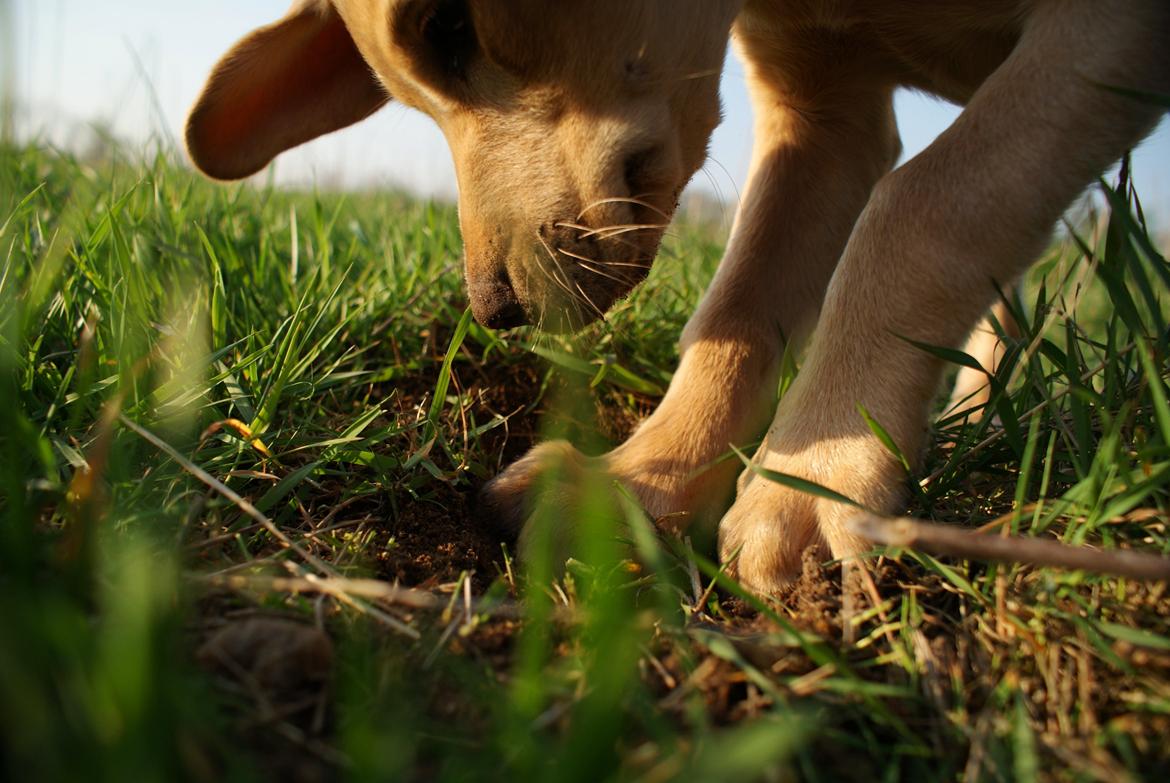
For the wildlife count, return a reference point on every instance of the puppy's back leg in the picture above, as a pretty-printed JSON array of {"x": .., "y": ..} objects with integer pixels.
[
  {"x": 972, "y": 390},
  {"x": 980, "y": 203}
]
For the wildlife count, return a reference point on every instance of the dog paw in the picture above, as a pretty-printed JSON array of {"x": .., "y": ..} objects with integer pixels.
[
  {"x": 561, "y": 483},
  {"x": 556, "y": 503},
  {"x": 547, "y": 500},
  {"x": 548, "y": 470},
  {"x": 769, "y": 528}
]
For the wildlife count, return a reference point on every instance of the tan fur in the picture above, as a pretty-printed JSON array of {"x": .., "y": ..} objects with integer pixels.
[{"x": 574, "y": 127}]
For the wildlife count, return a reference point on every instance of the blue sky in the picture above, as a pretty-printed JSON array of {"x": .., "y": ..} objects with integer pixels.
[{"x": 81, "y": 61}]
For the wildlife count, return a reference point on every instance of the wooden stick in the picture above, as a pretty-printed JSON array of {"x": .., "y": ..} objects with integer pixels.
[
  {"x": 371, "y": 590},
  {"x": 958, "y": 542}
]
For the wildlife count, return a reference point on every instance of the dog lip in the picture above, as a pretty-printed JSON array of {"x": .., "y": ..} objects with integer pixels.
[
  {"x": 573, "y": 316},
  {"x": 590, "y": 279}
]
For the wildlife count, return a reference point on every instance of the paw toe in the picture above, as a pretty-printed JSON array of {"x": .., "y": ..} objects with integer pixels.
[{"x": 506, "y": 502}]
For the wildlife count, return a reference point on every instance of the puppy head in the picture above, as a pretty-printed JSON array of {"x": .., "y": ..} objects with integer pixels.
[{"x": 574, "y": 125}]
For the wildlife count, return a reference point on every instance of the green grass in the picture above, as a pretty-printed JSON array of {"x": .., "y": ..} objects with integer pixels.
[{"x": 210, "y": 396}]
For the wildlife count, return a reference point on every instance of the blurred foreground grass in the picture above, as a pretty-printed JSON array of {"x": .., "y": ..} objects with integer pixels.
[{"x": 216, "y": 404}]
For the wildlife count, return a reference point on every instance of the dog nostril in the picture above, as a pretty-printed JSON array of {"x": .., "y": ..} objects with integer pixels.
[
  {"x": 495, "y": 304},
  {"x": 508, "y": 316},
  {"x": 638, "y": 171}
]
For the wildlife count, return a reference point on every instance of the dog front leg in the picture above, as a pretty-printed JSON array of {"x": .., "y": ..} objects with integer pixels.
[
  {"x": 810, "y": 180},
  {"x": 974, "y": 208}
]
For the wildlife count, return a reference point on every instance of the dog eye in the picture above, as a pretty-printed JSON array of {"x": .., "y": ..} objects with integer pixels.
[{"x": 449, "y": 33}]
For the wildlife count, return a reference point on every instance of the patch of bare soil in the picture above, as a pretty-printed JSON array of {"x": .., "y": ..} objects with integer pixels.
[
  {"x": 434, "y": 542},
  {"x": 433, "y": 539}
]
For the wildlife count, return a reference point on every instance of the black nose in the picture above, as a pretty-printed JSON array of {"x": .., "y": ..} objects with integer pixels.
[{"x": 494, "y": 304}]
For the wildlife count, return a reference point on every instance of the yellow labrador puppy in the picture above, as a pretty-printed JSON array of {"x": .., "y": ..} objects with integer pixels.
[{"x": 575, "y": 125}]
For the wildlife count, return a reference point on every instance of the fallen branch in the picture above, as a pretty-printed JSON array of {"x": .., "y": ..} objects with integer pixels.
[
  {"x": 958, "y": 542},
  {"x": 363, "y": 588},
  {"x": 371, "y": 590}
]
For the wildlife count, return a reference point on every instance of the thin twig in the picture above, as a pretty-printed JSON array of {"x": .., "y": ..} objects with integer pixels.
[
  {"x": 957, "y": 542},
  {"x": 376, "y": 590},
  {"x": 372, "y": 589},
  {"x": 334, "y": 587},
  {"x": 328, "y": 583},
  {"x": 223, "y": 489}
]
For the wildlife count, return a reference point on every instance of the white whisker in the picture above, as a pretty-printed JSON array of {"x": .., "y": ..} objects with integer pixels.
[
  {"x": 564, "y": 284},
  {"x": 638, "y": 200},
  {"x": 610, "y": 232}
]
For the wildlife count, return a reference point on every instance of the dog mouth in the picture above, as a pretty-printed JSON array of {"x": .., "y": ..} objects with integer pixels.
[
  {"x": 578, "y": 273},
  {"x": 566, "y": 274}
]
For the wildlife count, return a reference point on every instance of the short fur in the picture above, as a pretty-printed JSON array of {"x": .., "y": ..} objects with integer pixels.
[{"x": 575, "y": 125}]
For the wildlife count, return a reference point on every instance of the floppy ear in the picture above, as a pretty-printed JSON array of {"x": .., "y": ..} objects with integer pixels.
[{"x": 281, "y": 86}]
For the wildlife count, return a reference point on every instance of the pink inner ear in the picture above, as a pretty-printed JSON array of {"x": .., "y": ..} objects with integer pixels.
[{"x": 278, "y": 88}]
